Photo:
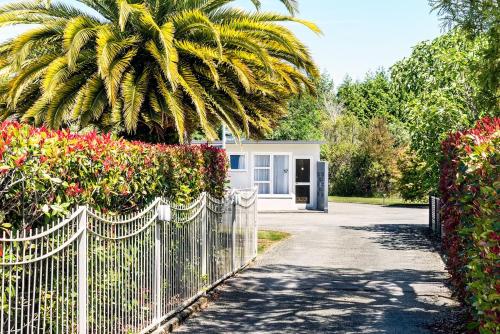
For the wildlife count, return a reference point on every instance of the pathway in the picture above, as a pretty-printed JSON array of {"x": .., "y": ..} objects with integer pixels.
[{"x": 358, "y": 269}]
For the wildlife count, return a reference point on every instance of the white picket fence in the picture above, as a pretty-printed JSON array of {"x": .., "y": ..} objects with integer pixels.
[{"x": 92, "y": 273}]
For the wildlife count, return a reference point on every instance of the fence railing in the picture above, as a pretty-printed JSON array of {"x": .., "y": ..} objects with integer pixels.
[
  {"x": 94, "y": 273},
  {"x": 435, "y": 225}
]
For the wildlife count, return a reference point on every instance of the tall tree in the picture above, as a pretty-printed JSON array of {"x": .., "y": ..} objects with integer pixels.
[
  {"x": 478, "y": 18},
  {"x": 440, "y": 92},
  {"x": 306, "y": 113},
  {"x": 369, "y": 98},
  {"x": 152, "y": 67}
]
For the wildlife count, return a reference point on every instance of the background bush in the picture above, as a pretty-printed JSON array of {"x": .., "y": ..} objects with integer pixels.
[
  {"x": 470, "y": 188},
  {"x": 43, "y": 173},
  {"x": 363, "y": 159}
]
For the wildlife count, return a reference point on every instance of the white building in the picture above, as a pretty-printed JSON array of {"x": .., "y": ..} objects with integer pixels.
[{"x": 288, "y": 174}]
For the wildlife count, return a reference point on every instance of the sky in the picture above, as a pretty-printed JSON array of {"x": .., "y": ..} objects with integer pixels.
[
  {"x": 358, "y": 35},
  {"x": 361, "y": 35}
]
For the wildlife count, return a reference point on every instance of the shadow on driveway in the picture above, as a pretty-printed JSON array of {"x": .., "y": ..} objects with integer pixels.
[
  {"x": 324, "y": 300},
  {"x": 398, "y": 236},
  {"x": 359, "y": 269}
]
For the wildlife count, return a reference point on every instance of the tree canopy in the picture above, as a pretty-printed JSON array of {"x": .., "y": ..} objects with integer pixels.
[
  {"x": 440, "y": 92},
  {"x": 478, "y": 18},
  {"x": 306, "y": 113},
  {"x": 369, "y": 98},
  {"x": 419, "y": 100},
  {"x": 157, "y": 68}
]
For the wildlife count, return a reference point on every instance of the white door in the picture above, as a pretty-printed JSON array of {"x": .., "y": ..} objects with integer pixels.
[{"x": 281, "y": 174}]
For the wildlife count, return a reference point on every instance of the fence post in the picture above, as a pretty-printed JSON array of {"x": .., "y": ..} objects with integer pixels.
[
  {"x": 233, "y": 233},
  {"x": 256, "y": 227},
  {"x": 82, "y": 272},
  {"x": 430, "y": 213},
  {"x": 433, "y": 215},
  {"x": 204, "y": 236},
  {"x": 438, "y": 216},
  {"x": 157, "y": 272}
]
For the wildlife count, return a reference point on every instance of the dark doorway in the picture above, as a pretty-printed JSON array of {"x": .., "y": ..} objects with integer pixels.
[{"x": 302, "y": 181}]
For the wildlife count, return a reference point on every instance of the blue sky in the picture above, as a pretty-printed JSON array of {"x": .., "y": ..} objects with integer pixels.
[
  {"x": 358, "y": 35},
  {"x": 361, "y": 35}
]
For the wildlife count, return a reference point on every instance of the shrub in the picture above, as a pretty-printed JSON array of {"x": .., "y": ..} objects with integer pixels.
[
  {"x": 470, "y": 188},
  {"x": 363, "y": 160},
  {"x": 43, "y": 173},
  {"x": 412, "y": 168}
]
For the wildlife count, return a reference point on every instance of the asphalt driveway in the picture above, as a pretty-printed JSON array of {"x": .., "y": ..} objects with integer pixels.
[{"x": 358, "y": 269}]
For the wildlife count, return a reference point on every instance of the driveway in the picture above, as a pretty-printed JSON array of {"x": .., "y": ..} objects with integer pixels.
[{"x": 358, "y": 269}]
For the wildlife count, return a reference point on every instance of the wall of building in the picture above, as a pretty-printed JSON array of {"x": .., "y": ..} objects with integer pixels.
[{"x": 243, "y": 179}]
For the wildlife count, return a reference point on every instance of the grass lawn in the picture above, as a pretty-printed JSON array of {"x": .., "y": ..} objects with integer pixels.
[
  {"x": 268, "y": 238},
  {"x": 391, "y": 201}
]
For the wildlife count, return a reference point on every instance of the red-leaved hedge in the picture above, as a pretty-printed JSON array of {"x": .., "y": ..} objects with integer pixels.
[
  {"x": 43, "y": 173},
  {"x": 470, "y": 190}
]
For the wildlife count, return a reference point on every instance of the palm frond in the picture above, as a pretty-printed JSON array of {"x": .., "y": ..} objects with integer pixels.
[
  {"x": 195, "y": 91},
  {"x": 78, "y": 32},
  {"x": 34, "y": 12},
  {"x": 174, "y": 105},
  {"x": 31, "y": 72},
  {"x": 94, "y": 101},
  {"x": 134, "y": 90},
  {"x": 184, "y": 64},
  {"x": 33, "y": 41}
]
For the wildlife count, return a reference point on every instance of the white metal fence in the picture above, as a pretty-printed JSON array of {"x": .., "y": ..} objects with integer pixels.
[{"x": 92, "y": 273}]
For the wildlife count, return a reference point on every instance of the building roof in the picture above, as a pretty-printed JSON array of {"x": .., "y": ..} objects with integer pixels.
[{"x": 246, "y": 141}]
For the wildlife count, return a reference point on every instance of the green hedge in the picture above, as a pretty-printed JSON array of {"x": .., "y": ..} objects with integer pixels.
[
  {"x": 43, "y": 173},
  {"x": 470, "y": 189}
]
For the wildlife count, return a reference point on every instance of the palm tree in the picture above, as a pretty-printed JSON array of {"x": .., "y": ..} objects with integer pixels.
[{"x": 152, "y": 66}]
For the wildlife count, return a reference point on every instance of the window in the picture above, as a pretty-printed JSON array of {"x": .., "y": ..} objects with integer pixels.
[
  {"x": 271, "y": 173},
  {"x": 262, "y": 173},
  {"x": 302, "y": 170},
  {"x": 237, "y": 162}
]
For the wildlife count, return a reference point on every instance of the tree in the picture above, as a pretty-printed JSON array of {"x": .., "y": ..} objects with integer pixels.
[
  {"x": 440, "y": 92},
  {"x": 362, "y": 159},
  {"x": 306, "y": 114},
  {"x": 378, "y": 148},
  {"x": 369, "y": 98},
  {"x": 342, "y": 134},
  {"x": 152, "y": 68},
  {"x": 478, "y": 18}
]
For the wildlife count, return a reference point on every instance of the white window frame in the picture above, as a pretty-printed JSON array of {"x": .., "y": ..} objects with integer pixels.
[
  {"x": 271, "y": 174},
  {"x": 298, "y": 157},
  {"x": 247, "y": 162}
]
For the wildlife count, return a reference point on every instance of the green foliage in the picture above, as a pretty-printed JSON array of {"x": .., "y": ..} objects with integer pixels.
[
  {"x": 441, "y": 87},
  {"x": 342, "y": 143},
  {"x": 44, "y": 173},
  {"x": 379, "y": 148},
  {"x": 306, "y": 114},
  {"x": 389, "y": 201},
  {"x": 440, "y": 92},
  {"x": 432, "y": 92},
  {"x": 412, "y": 185},
  {"x": 472, "y": 15},
  {"x": 445, "y": 66},
  {"x": 470, "y": 186},
  {"x": 159, "y": 69},
  {"x": 478, "y": 18},
  {"x": 363, "y": 160},
  {"x": 372, "y": 97}
]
